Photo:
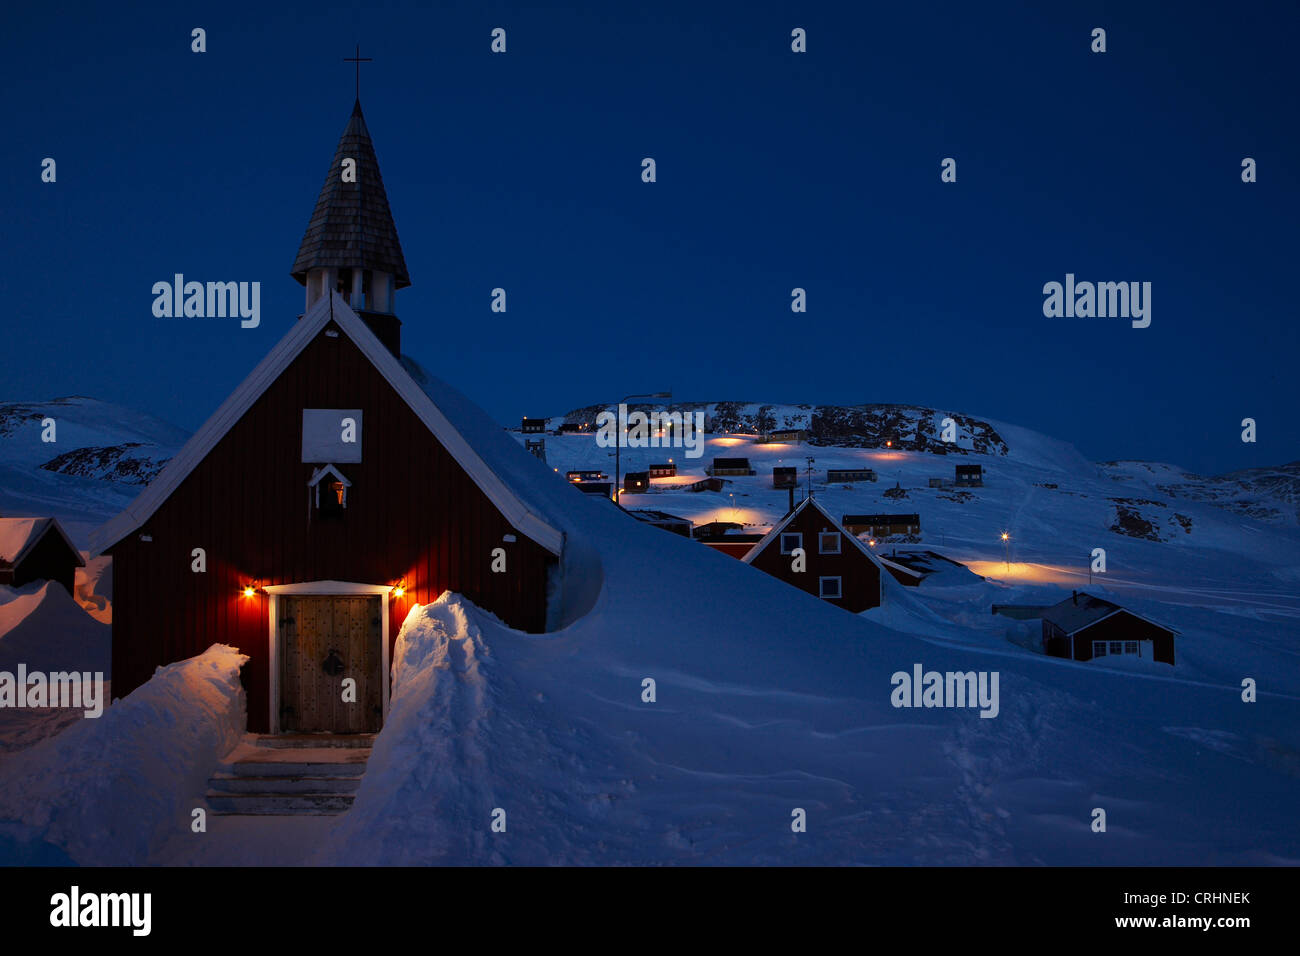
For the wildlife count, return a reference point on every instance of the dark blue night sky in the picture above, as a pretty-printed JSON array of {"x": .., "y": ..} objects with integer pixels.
[{"x": 775, "y": 170}]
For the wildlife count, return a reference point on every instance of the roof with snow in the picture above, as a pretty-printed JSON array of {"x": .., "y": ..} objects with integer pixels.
[
  {"x": 1080, "y": 611},
  {"x": 499, "y": 465},
  {"x": 784, "y": 522},
  {"x": 19, "y": 535},
  {"x": 352, "y": 226}
]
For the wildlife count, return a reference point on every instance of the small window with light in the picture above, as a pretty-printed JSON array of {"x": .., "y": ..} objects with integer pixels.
[{"x": 328, "y": 492}]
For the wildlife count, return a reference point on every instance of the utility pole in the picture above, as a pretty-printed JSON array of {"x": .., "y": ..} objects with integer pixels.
[{"x": 808, "y": 486}]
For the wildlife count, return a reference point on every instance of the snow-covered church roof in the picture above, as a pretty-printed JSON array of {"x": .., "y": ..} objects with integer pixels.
[{"x": 514, "y": 480}]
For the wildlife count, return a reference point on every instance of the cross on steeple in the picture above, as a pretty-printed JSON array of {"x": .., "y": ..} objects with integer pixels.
[{"x": 358, "y": 60}]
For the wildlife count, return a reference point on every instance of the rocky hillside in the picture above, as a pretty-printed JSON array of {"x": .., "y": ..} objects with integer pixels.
[{"x": 908, "y": 427}]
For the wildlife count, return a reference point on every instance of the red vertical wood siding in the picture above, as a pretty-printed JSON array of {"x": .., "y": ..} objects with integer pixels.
[
  {"x": 859, "y": 575},
  {"x": 412, "y": 515}
]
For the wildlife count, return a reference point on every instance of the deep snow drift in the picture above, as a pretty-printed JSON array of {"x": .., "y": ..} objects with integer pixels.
[{"x": 111, "y": 790}]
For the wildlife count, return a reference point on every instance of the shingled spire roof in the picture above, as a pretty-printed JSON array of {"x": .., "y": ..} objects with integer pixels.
[{"x": 352, "y": 226}]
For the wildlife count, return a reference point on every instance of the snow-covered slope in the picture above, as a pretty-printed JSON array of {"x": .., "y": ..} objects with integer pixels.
[{"x": 100, "y": 455}]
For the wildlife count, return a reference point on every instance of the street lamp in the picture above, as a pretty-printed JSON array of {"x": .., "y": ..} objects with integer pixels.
[
  {"x": 618, "y": 441},
  {"x": 1006, "y": 549}
]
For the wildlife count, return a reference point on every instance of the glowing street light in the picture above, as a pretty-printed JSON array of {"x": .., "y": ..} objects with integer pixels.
[{"x": 1006, "y": 549}]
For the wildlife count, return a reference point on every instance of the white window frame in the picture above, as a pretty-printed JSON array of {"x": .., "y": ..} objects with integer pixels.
[
  {"x": 790, "y": 534},
  {"x": 1101, "y": 645},
  {"x": 821, "y": 542},
  {"x": 821, "y": 587}
]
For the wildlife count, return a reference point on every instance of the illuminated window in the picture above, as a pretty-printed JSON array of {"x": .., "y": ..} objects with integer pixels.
[{"x": 328, "y": 491}]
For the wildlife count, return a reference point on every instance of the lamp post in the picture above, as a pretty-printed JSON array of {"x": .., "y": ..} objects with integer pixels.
[{"x": 618, "y": 442}]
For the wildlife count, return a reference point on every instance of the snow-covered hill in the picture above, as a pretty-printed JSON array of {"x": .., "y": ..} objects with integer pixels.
[
  {"x": 100, "y": 457},
  {"x": 769, "y": 701}
]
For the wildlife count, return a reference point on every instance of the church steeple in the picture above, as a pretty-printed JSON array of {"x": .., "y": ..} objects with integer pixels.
[{"x": 351, "y": 243}]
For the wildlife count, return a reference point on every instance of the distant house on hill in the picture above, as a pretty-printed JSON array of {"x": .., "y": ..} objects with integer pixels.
[
  {"x": 572, "y": 428},
  {"x": 970, "y": 476},
  {"x": 37, "y": 549},
  {"x": 727, "y": 537},
  {"x": 662, "y": 519},
  {"x": 665, "y": 470},
  {"x": 1084, "y": 627},
  {"x": 532, "y": 426},
  {"x": 586, "y": 474},
  {"x": 834, "y": 475},
  {"x": 839, "y": 568},
  {"x": 784, "y": 435},
  {"x": 882, "y": 525},
  {"x": 730, "y": 466},
  {"x": 635, "y": 482},
  {"x": 707, "y": 484}
]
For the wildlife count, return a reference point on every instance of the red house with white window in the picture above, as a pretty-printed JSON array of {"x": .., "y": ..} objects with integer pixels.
[{"x": 836, "y": 566}]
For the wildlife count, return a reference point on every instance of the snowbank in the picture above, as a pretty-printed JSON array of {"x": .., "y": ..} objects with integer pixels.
[{"x": 109, "y": 791}]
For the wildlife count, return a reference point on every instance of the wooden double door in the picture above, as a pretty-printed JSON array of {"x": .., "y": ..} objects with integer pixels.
[{"x": 327, "y": 640}]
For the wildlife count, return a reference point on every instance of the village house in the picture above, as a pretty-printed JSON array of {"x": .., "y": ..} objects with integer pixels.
[
  {"x": 882, "y": 525},
  {"x": 335, "y": 488},
  {"x": 665, "y": 470},
  {"x": 636, "y": 482},
  {"x": 834, "y": 475},
  {"x": 729, "y": 466},
  {"x": 37, "y": 549},
  {"x": 837, "y": 566},
  {"x": 970, "y": 476},
  {"x": 662, "y": 519},
  {"x": 783, "y": 435},
  {"x": 1084, "y": 627},
  {"x": 531, "y": 426}
]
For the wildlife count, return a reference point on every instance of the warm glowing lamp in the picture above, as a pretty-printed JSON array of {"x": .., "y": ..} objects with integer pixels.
[{"x": 250, "y": 591}]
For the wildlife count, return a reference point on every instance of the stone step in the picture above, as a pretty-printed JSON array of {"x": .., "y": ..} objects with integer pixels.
[
  {"x": 278, "y": 804},
  {"x": 293, "y": 768},
  {"x": 245, "y": 783},
  {"x": 310, "y": 741}
]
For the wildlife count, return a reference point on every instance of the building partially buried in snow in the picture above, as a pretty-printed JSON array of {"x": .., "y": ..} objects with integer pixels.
[
  {"x": 835, "y": 565},
  {"x": 37, "y": 549},
  {"x": 1084, "y": 627},
  {"x": 335, "y": 488}
]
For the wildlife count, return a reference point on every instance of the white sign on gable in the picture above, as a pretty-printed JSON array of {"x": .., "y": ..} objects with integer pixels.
[{"x": 331, "y": 435}]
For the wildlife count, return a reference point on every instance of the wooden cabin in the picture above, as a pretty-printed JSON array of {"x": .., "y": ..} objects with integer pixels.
[
  {"x": 970, "y": 476},
  {"x": 37, "y": 549},
  {"x": 730, "y": 467},
  {"x": 636, "y": 482},
  {"x": 835, "y": 475},
  {"x": 337, "y": 487},
  {"x": 665, "y": 470},
  {"x": 839, "y": 568},
  {"x": 1084, "y": 627},
  {"x": 533, "y": 426},
  {"x": 882, "y": 525},
  {"x": 662, "y": 519}
]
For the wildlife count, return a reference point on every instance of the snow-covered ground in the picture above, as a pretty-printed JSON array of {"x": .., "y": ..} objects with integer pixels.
[{"x": 769, "y": 701}]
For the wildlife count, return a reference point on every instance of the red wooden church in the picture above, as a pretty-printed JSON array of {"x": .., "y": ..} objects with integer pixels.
[{"x": 336, "y": 488}]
